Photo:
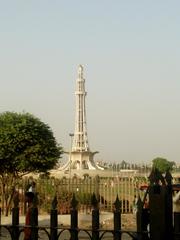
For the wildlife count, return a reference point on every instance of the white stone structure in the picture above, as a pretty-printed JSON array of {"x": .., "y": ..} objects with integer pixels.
[{"x": 80, "y": 156}]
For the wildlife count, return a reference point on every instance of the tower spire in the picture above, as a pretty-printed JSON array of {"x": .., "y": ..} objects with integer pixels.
[
  {"x": 80, "y": 71},
  {"x": 80, "y": 141}
]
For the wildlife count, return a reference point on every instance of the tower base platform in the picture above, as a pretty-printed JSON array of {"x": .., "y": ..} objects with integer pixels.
[{"x": 81, "y": 161}]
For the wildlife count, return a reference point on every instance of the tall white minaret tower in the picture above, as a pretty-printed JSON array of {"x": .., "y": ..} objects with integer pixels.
[
  {"x": 80, "y": 141},
  {"x": 80, "y": 156}
]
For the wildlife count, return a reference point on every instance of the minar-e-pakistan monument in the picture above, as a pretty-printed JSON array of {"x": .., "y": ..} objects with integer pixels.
[{"x": 80, "y": 156}]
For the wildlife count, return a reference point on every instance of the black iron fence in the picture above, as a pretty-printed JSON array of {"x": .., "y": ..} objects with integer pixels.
[
  {"x": 55, "y": 232},
  {"x": 155, "y": 218}
]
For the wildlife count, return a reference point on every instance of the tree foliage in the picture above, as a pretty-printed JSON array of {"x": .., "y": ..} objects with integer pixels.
[
  {"x": 26, "y": 144},
  {"x": 162, "y": 164}
]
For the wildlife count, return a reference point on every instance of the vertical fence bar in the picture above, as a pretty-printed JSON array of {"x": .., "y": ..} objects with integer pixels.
[
  {"x": 139, "y": 219},
  {"x": 15, "y": 218},
  {"x": 158, "y": 203},
  {"x": 122, "y": 192},
  {"x": 176, "y": 225},
  {"x": 74, "y": 219},
  {"x": 34, "y": 219},
  {"x": 34, "y": 223},
  {"x": 95, "y": 218},
  {"x": 169, "y": 206},
  {"x": 111, "y": 193},
  {"x": 15, "y": 223},
  {"x": 97, "y": 187},
  {"x": 54, "y": 219},
  {"x": 0, "y": 220},
  {"x": 129, "y": 194},
  {"x": 117, "y": 220}
]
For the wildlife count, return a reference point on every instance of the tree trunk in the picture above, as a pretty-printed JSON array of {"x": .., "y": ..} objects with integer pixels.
[
  {"x": 10, "y": 201},
  {"x": 8, "y": 189}
]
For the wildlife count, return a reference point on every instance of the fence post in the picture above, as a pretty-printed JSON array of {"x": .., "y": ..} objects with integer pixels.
[
  {"x": 74, "y": 219},
  {"x": 169, "y": 206},
  {"x": 97, "y": 181},
  {"x": 0, "y": 220},
  {"x": 160, "y": 204},
  {"x": 139, "y": 219},
  {"x": 117, "y": 219},
  {"x": 34, "y": 219},
  {"x": 15, "y": 218},
  {"x": 54, "y": 220},
  {"x": 95, "y": 218},
  {"x": 176, "y": 225}
]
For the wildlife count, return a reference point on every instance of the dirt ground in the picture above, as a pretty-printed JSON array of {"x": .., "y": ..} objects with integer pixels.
[{"x": 128, "y": 222}]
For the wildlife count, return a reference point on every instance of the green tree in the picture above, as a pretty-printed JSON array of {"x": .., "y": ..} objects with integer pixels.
[
  {"x": 162, "y": 164},
  {"x": 26, "y": 145},
  {"x": 123, "y": 164}
]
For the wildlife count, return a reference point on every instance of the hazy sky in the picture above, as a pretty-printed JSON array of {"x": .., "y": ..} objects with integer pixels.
[{"x": 130, "y": 51}]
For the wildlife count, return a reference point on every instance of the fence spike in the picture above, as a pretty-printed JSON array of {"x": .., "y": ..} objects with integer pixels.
[
  {"x": 117, "y": 203},
  {"x": 54, "y": 203},
  {"x": 139, "y": 203},
  {"x": 16, "y": 200},
  {"x": 35, "y": 200},
  {"x": 152, "y": 177},
  {"x": 74, "y": 202},
  {"x": 94, "y": 201},
  {"x": 168, "y": 178}
]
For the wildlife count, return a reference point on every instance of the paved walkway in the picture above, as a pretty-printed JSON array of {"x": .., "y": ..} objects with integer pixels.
[{"x": 84, "y": 220}]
